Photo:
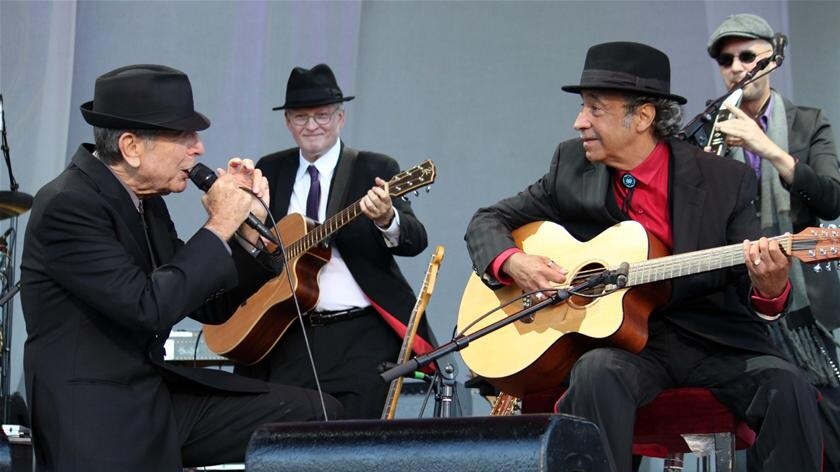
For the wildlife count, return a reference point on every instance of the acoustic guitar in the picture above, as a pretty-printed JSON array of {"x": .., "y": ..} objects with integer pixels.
[
  {"x": 260, "y": 322},
  {"x": 537, "y": 353},
  {"x": 411, "y": 330}
]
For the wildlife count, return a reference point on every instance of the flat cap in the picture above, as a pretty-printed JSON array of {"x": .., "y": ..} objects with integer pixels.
[{"x": 742, "y": 25}]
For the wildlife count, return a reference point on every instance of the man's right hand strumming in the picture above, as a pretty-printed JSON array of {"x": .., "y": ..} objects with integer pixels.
[{"x": 532, "y": 272}]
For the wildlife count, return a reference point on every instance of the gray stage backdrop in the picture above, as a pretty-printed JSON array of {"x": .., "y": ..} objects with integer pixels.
[{"x": 475, "y": 86}]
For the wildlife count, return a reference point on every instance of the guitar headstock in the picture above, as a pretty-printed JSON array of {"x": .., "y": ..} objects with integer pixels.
[
  {"x": 815, "y": 245},
  {"x": 412, "y": 179}
]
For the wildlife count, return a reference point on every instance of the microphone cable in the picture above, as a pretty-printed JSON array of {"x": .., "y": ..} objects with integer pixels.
[{"x": 301, "y": 321}]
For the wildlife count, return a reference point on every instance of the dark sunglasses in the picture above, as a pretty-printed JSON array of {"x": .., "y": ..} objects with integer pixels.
[{"x": 746, "y": 57}]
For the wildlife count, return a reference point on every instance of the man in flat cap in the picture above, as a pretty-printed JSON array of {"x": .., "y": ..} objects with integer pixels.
[
  {"x": 105, "y": 277},
  {"x": 791, "y": 150},
  {"x": 365, "y": 302},
  {"x": 709, "y": 329}
]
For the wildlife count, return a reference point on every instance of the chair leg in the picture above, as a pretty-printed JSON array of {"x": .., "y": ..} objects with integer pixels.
[
  {"x": 673, "y": 463},
  {"x": 724, "y": 452}
]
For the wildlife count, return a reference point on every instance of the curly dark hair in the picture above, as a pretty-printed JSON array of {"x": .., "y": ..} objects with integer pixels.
[{"x": 668, "y": 114}]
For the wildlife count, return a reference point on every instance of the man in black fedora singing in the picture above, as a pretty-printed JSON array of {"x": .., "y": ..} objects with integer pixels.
[
  {"x": 709, "y": 332},
  {"x": 365, "y": 302},
  {"x": 105, "y": 277}
]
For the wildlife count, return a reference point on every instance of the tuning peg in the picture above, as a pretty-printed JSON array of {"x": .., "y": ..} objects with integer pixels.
[
  {"x": 428, "y": 189},
  {"x": 416, "y": 193},
  {"x": 404, "y": 198}
]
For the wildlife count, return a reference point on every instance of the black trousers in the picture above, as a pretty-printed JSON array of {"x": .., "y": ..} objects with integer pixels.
[
  {"x": 608, "y": 385},
  {"x": 214, "y": 428},
  {"x": 347, "y": 355}
]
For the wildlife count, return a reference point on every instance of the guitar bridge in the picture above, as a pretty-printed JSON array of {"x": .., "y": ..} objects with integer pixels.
[{"x": 527, "y": 302}]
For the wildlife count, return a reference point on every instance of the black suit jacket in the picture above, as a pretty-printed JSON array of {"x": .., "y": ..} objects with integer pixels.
[
  {"x": 361, "y": 244},
  {"x": 815, "y": 196},
  {"x": 711, "y": 205},
  {"x": 98, "y": 314}
]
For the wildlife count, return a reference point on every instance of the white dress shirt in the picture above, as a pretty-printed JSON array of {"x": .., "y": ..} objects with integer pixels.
[{"x": 343, "y": 292}]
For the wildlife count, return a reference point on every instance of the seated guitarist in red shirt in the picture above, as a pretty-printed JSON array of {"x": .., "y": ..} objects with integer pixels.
[{"x": 627, "y": 165}]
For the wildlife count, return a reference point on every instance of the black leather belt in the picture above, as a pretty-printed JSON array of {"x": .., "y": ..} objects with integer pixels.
[{"x": 323, "y": 318}]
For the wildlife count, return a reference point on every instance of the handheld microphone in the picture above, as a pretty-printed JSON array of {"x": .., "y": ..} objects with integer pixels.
[
  {"x": 203, "y": 177},
  {"x": 779, "y": 43}
]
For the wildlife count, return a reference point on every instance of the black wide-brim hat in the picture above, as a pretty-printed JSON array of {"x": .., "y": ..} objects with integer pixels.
[
  {"x": 314, "y": 87},
  {"x": 627, "y": 67},
  {"x": 144, "y": 96}
]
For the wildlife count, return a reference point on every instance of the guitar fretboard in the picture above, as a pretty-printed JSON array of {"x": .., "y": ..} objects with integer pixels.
[
  {"x": 323, "y": 231},
  {"x": 664, "y": 268}
]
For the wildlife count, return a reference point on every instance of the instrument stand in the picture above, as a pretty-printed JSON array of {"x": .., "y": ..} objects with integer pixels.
[
  {"x": 12, "y": 204},
  {"x": 7, "y": 292}
]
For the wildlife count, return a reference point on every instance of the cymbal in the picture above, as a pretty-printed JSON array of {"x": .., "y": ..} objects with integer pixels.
[{"x": 14, "y": 203}]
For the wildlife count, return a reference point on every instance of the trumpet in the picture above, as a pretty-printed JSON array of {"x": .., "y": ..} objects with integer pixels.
[{"x": 718, "y": 140}]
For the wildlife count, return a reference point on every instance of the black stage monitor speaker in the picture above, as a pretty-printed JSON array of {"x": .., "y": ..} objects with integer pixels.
[{"x": 522, "y": 443}]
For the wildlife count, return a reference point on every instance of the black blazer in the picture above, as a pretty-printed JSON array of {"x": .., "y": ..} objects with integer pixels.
[
  {"x": 815, "y": 196},
  {"x": 361, "y": 244},
  {"x": 97, "y": 316},
  {"x": 711, "y": 205}
]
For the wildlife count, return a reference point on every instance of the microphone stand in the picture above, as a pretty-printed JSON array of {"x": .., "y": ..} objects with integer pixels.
[
  {"x": 12, "y": 204},
  {"x": 615, "y": 277},
  {"x": 693, "y": 132}
]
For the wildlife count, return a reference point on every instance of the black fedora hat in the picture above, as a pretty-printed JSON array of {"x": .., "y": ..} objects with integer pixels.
[
  {"x": 144, "y": 96},
  {"x": 312, "y": 88},
  {"x": 627, "y": 67}
]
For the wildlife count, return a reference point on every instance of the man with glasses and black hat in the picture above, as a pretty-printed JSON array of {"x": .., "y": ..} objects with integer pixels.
[
  {"x": 365, "y": 302},
  {"x": 792, "y": 151},
  {"x": 710, "y": 333},
  {"x": 105, "y": 277}
]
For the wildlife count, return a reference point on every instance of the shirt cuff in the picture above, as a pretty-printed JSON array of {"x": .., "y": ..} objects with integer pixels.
[
  {"x": 391, "y": 234},
  {"x": 496, "y": 265},
  {"x": 774, "y": 306}
]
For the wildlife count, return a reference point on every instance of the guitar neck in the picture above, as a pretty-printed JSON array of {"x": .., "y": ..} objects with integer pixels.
[
  {"x": 324, "y": 230},
  {"x": 690, "y": 263},
  {"x": 411, "y": 330}
]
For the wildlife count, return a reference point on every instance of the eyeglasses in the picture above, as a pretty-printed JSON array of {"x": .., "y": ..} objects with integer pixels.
[
  {"x": 746, "y": 57},
  {"x": 323, "y": 118}
]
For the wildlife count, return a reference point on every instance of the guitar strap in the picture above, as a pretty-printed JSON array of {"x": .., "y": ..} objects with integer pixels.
[{"x": 340, "y": 185}]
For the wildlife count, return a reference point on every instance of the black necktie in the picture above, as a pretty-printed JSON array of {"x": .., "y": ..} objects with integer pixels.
[
  {"x": 629, "y": 182},
  {"x": 313, "y": 201}
]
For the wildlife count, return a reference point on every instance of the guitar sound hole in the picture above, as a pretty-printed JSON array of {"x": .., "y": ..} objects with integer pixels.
[{"x": 590, "y": 270}]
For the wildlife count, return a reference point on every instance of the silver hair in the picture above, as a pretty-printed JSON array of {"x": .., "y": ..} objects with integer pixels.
[
  {"x": 668, "y": 114},
  {"x": 107, "y": 141}
]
